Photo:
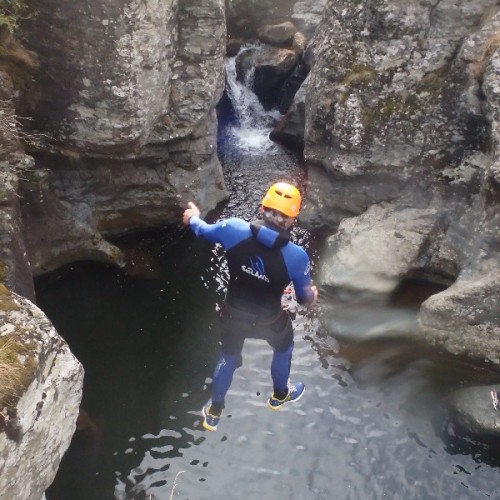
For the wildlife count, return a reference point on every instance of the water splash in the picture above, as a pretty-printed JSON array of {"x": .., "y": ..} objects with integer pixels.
[{"x": 254, "y": 123}]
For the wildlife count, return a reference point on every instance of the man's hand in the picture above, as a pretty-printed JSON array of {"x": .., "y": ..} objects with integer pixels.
[{"x": 189, "y": 212}]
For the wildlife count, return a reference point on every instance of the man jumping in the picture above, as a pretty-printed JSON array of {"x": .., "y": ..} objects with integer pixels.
[{"x": 262, "y": 263}]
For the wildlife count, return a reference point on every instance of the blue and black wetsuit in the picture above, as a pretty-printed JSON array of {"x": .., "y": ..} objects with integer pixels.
[{"x": 262, "y": 263}]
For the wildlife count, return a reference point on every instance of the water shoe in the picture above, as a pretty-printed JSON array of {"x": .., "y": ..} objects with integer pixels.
[
  {"x": 295, "y": 392},
  {"x": 210, "y": 420}
]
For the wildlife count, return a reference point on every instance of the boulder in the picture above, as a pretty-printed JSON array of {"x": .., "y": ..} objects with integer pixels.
[
  {"x": 278, "y": 35},
  {"x": 40, "y": 396},
  {"x": 246, "y": 17},
  {"x": 464, "y": 319},
  {"x": 290, "y": 129},
  {"x": 473, "y": 410},
  {"x": 381, "y": 86},
  {"x": 376, "y": 251}
]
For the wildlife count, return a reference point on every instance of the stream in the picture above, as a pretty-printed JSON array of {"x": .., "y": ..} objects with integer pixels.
[{"x": 372, "y": 424}]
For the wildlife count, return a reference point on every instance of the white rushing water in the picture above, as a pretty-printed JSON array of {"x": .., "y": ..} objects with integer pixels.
[{"x": 254, "y": 123}]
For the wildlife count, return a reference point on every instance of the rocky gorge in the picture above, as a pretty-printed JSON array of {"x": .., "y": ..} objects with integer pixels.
[{"x": 393, "y": 107}]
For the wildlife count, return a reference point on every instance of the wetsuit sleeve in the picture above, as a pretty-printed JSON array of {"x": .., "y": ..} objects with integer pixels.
[
  {"x": 207, "y": 231},
  {"x": 299, "y": 269},
  {"x": 227, "y": 232}
]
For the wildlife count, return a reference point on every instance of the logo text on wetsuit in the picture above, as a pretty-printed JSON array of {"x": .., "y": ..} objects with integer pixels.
[{"x": 256, "y": 270}]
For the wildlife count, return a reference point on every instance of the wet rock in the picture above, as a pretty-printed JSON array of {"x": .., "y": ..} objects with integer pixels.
[
  {"x": 233, "y": 46},
  {"x": 290, "y": 129},
  {"x": 290, "y": 88},
  {"x": 465, "y": 319},
  {"x": 472, "y": 408}
]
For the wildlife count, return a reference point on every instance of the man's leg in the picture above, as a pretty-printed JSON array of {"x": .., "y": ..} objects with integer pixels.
[
  {"x": 223, "y": 376},
  {"x": 229, "y": 360},
  {"x": 284, "y": 391},
  {"x": 280, "y": 371}
]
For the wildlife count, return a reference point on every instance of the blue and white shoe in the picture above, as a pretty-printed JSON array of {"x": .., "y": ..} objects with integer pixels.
[
  {"x": 295, "y": 392},
  {"x": 210, "y": 420}
]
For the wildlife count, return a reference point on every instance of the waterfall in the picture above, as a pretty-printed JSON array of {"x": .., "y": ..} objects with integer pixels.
[{"x": 254, "y": 123}]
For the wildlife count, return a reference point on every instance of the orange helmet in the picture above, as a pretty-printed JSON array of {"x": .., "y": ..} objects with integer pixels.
[{"x": 284, "y": 198}]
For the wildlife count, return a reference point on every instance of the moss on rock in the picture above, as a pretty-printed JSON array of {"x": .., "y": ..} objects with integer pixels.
[{"x": 17, "y": 362}]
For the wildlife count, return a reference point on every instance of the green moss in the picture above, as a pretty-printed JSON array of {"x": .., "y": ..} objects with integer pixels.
[
  {"x": 6, "y": 301},
  {"x": 17, "y": 367},
  {"x": 391, "y": 106},
  {"x": 380, "y": 108},
  {"x": 359, "y": 75},
  {"x": 10, "y": 13},
  {"x": 3, "y": 271},
  {"x": 17, "y": 362}
]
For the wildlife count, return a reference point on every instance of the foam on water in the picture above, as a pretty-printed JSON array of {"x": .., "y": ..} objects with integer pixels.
[{"x": 254, "y": 123}]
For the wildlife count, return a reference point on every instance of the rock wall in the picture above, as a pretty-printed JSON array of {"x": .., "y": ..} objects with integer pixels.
[
  {"x": 123, "y": 134},
  {"x": 125, "y": 98},
  {"x": 40, "y": 380},
  {"x": 401, "y": 142},
  {"x": 471, "y": 306},
  {"x": 15, "y": 272}
]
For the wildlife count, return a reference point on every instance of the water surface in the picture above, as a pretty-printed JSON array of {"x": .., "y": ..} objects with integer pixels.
[{"x": 372, "y": 424}]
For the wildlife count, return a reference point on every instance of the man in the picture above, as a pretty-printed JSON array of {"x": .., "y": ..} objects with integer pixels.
[{"x": 262, "y": 263}]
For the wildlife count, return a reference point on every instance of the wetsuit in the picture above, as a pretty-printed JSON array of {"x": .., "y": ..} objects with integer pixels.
[{"x": 262, "y": 263}]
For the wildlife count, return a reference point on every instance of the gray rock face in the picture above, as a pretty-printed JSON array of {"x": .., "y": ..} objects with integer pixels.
[
  {"x": 307, "y": 15},
  {"x": 137, "y": 73},
  {"x": 14, "y": 266},
  {"x": 402, "y": 108},
  {"x": 36, "y": 430},
  {"x": 381, "y": 86},
  {"x": 471, "y": 307},
  {"x": 126, "y": 94},
  {"x": 41, "y": 382}
]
